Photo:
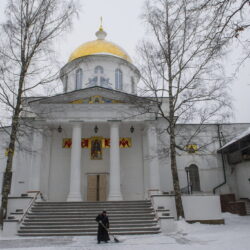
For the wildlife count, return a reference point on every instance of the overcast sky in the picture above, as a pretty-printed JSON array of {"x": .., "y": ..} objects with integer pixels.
[{"x": 121, "y": 20}]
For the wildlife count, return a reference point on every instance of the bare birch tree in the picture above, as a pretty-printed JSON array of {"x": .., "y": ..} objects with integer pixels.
[
  {"x": 180, "y": 63},
  {"x": 233, "y": 14},
  {"x": 235, "y": 22},
  {"x": 26, "y": 45}
]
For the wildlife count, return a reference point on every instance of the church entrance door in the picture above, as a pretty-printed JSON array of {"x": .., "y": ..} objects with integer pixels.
[{"x": 97, "y": 187}]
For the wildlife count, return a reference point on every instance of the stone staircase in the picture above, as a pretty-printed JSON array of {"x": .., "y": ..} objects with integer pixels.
[
  {"x": 78, "y": 218},
  {"x": 247, "y": 205}
]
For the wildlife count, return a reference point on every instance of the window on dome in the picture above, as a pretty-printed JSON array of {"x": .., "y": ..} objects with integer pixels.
[
  {"x": 132, "y": 85},
  {"x": 79, "y": 79},
  {"x": 65, "y": 84},
  {"x": 118, "y": 79},
  {"x": 99, "y": 78},
  {"x": 99, "y": 69}
]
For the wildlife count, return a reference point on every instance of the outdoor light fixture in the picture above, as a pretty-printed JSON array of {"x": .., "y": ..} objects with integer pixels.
[
  {"x": 96, "y": 129},
  {"x": 132, "y": 129},
  {"x": 59, "y": 129}
]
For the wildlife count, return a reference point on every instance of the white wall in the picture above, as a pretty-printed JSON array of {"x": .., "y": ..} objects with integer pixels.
[
  {"x": 22, "y": 164},
  {"x": 132, "y": 183},
  {"x": 199, "y": 207},
  {"x": 59, "y": 167},
  {"x": 196, "y": 207},
  {"x": 209, "y": 162}
]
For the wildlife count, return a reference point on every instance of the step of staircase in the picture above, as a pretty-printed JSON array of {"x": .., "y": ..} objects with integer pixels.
[
  {"x": 78, "y": 218},
  {"x": 247, "y": 204}
]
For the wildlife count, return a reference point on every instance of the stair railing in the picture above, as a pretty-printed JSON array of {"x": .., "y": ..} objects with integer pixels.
[{"x": 29, "y": 206}]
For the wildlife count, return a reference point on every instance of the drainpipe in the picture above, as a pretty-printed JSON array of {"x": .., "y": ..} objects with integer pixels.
[{"x": 223, "y": 162}]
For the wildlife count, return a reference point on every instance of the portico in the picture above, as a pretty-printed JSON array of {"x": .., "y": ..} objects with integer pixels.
[{"x": 79, "y": 170}]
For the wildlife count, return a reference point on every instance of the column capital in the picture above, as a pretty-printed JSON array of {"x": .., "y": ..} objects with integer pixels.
[
  {"x": 76, "y": 123},
  {"x": 149, "y": 124},
  {"x": 114, "y": 122}
]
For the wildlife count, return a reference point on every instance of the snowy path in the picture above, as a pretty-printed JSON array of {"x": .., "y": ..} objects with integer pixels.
[{"x": 235, "y": 235}]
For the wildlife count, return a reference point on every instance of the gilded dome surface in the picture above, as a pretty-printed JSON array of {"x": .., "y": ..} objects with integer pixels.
[{"x": 99, "y": 46}]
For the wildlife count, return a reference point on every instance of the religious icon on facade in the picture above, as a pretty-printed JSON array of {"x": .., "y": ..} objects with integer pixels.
[
  {"x": 96, "y": 148},
  {"x": 191, "y": 148}
]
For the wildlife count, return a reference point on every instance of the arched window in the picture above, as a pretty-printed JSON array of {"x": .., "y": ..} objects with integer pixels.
[
  {"x": 194, "y": 177},
  {"x": 132, "y": 85},
  {"x": 118, "y": 79},
  {"x": 65, "y": 83},
  {"x": 79, "y": 79},
  {"x": 99, "y": 69}
]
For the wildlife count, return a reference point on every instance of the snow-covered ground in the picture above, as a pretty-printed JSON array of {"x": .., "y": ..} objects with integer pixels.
[{"x": 234, "y": 235}]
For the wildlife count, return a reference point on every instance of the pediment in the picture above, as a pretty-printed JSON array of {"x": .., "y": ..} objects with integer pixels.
[{"x": 93, "y": 95}]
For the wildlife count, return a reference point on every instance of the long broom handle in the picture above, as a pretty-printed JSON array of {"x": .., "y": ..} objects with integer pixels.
[
  {"x": 105, "y": 227},
  {"x": 109, "y": 231}
]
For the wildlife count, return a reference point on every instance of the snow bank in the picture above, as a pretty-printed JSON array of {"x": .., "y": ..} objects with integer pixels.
[{"x": 234, "y": 235}]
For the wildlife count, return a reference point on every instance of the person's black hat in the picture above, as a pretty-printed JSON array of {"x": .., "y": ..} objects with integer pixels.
[{"x": 104, "y": 212}]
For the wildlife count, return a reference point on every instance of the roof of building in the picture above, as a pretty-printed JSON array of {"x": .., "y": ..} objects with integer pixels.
[
  {"x": 236, "y": 139},
  {"x": 98, "y": 90},
  {"x": 99, "y": 46}
]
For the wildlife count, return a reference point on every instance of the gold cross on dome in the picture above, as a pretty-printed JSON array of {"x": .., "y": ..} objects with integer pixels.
[{"x": 101, "y": 28}]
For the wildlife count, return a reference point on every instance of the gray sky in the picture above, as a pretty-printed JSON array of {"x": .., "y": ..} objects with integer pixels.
[{"x": 122, "y": 23}]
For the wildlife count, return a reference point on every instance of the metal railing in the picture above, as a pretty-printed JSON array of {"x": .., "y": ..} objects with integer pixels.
[
  {"x": 29, "y": 206},
  {"x": 187, "y": 189}
]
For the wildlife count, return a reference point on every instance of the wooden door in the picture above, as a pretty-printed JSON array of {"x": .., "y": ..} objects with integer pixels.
[
  {"x": 97, "y": 187},
  {"x": 92, "y": 184},
  {"x": 102, "y": 187}
]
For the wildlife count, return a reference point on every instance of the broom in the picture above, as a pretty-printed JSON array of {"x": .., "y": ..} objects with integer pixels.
[{"x": 115, "y": 239}]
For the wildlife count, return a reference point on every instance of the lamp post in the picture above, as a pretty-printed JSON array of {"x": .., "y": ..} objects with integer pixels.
[{"x": 188, "y": 181}]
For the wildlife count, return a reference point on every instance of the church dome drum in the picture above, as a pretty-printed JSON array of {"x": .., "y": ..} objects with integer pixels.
[{"x": 100, "y": 63}]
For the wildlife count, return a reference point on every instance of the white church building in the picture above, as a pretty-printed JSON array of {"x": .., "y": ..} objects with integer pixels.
[{"x": 96, "y": 142}]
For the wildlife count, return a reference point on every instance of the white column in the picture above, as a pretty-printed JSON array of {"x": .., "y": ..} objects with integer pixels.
[
  {"x": 114, "y": 178},
  {"x": 154, "y": 174},
  {"x": 45, "y": 168},
  {"x": 37, "y": 160},
  {"x": 75, "y": 165}
]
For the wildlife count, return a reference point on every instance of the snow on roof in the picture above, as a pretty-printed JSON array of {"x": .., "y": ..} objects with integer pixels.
[{"x": 237, "y": 138}]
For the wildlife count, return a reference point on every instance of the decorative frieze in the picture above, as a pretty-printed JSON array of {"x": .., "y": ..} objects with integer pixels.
[
  {"x": 95, "y": 100},
  {"x": 125, "y": 142}
]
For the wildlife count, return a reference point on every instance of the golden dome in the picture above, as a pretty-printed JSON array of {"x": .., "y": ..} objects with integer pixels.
[{"x": 99, "y": 46}]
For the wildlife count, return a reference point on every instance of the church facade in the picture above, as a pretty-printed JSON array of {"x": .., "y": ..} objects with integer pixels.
[{"x": 96, "y": 142}]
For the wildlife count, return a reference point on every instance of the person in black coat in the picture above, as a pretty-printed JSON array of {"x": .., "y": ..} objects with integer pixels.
[{"x": 102, "y": 235}]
